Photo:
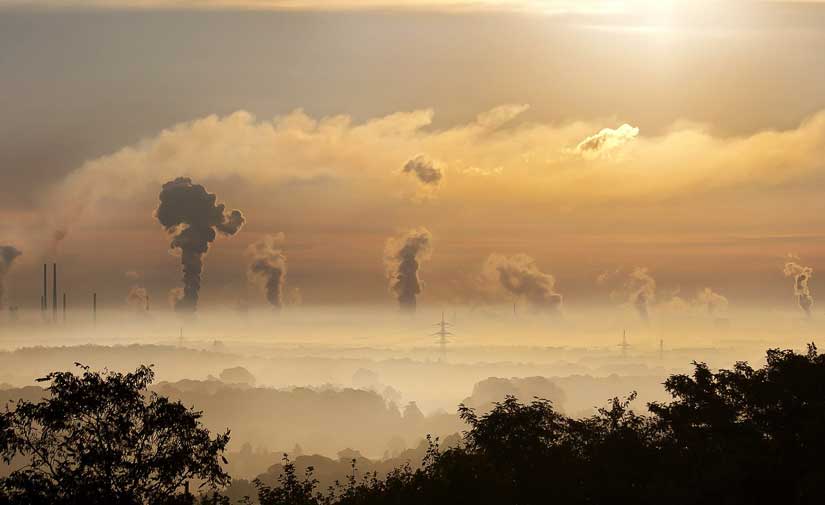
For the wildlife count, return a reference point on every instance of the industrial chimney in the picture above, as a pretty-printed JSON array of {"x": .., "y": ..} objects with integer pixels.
[{"x": 54, "y": 291}]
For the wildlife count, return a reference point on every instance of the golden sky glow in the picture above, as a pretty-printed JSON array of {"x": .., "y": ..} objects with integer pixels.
[{"x": 686, "y": 140}]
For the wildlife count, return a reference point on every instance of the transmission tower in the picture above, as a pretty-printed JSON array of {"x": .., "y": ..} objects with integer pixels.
[
  {"x": 442, "y": 335},
  {"x": 624, "y": 345}
]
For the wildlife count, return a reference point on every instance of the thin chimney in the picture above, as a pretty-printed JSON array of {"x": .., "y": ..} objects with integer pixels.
[
  {"x": 64, "y": 306},
  {"x": 94, "y": 308},
  {"x": 54, "y": 291},
  {"x": 45, "y": 300}
]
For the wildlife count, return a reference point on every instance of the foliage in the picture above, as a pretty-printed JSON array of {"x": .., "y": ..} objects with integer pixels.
[
  {"x": 740, "y": 436},
  {"x": 101, "y": 438}
]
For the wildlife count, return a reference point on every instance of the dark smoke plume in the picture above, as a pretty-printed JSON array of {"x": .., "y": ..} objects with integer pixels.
[
  {"x": 269, "y": 267},
  {"x": 521, "y": 276},
  {"x": 802, "y": 291},
  {"x": 7, "y": 256},
  {"x": 189, "y": 213},
  {"x": 403, "y": 256},
  {"x": 642, "y": 290},
  {"x": 424, "y": 169}
]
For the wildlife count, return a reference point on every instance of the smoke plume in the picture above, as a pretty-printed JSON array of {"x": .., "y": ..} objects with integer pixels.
[
  {"x": 7, "y": 256},
  {"x": 712, "y": 301},
  {"x": 424, "y": 169},
  {"x": 642, "y": 290},
  {"x": 138, "y": 298},
  {"x": 801, "y": 275},
  {"x": 268, "y": 267},
  {"x": 403, "y": 256},
  {"x": 189, "y": 213},
  {"x": 520, "y": 276}
]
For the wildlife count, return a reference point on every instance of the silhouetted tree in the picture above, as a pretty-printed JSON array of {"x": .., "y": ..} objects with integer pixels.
[{"x": 101, "y": 438}]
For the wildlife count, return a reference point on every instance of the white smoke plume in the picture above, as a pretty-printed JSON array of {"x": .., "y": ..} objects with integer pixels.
[{"x": 801, "y": 275}]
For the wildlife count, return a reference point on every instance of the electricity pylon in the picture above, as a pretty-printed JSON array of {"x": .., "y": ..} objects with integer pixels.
[
  {"x": 442, "y": 335},
  {"x": 624, "y": 345}
]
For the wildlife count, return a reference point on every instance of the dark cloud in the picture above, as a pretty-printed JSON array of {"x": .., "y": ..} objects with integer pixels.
[
  {"x": 424, "y": 169},
  {"x": 190, "y": 214},
  {"x": 7, "y": 256},
  {"x": 403, "y": 256},
  {"x": 269, "y": 267},
  {"x": 801, "y": 289},
  {"x": 520, "y": 275}
]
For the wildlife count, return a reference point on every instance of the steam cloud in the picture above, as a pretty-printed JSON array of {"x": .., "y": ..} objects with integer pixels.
[
  {"x": 138, "y": 298},
  {"x": 403, "y": 256},
  {"x": 642, "y": 289},
  {"x": 801, "y": 276},
  {"x": 7, "y": 256},
  {"x": 520, "y": 276},
  {"x": 424, "y": 169},
  {"x": 713, "y": 301},
  {"x": 607, "y": 140},
  {"x": 189, "y": 213},
  {"x": 269, "y": 266}
]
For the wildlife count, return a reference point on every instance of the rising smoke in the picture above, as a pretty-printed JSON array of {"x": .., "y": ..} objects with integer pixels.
[
  {"x": 7, "y": 256},
  {"x": 712, "y": 301},
  {"x": 190, "y": 214},
  {"x": 641, "y": 289},
  {"x": 424, "y": 169},
  {"x": 403, "y": 256},
  {"x": 268, "y": 267},
  {"x": 801, "y": 275},
  {"x": 138, "y": 299},
  {"x": 521, "y": 276}
]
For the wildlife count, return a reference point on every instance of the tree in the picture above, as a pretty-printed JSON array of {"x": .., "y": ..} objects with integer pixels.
[{"x": 102, "y": 438}]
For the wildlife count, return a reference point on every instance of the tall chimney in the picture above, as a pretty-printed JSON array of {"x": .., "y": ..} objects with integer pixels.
[
  {"x": 94, "y": 307},
  {"x": 54, "y": 291},
  {"x": 45, "y": 301},
  {"x": 64, "y": 306}
]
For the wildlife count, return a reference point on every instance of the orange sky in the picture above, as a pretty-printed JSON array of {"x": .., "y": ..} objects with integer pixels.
[{"x": 686, "y": 141}]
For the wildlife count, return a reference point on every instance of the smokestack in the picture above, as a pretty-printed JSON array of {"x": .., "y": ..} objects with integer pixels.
[
  {"x": 94, "y": 308},
  {"x": 45, "y": 304},
  {"x": 64, "y": 307},
  {"x": 54, "y": 291}
]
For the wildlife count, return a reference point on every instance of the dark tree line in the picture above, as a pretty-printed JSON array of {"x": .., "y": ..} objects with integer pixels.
[{"x": 740, "y": 436}]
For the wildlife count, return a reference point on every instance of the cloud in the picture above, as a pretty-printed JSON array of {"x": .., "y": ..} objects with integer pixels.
[
  {"x": 424, "y": 169},
  {"x": 606, "y": 141},
  {"x": 524, "y": 164},
  {"x": 520, "y": 276}
]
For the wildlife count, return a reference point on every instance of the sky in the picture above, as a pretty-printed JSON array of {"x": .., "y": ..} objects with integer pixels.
[{"x": 589, "y": 150}]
